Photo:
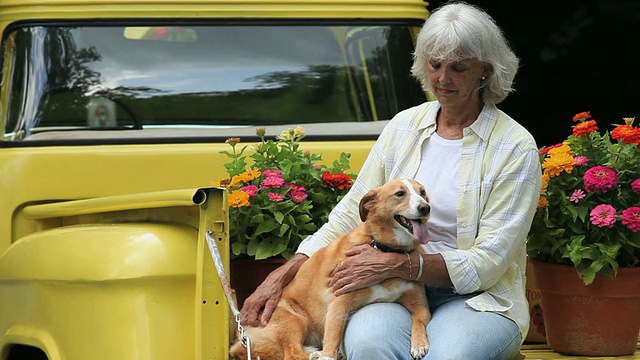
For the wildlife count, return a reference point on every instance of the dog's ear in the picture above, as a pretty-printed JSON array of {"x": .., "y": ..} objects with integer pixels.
[{"x": 367, "y": 201}]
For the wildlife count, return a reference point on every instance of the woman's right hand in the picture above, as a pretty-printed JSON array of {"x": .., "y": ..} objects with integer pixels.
[{"x": 260, "y": 305}]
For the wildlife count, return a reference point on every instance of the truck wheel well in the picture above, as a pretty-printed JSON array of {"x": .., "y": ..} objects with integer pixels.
[{"x": 24, "y": 352}]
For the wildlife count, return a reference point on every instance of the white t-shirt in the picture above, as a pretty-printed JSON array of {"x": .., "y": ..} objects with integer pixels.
[{"x": 438, "y": 172}]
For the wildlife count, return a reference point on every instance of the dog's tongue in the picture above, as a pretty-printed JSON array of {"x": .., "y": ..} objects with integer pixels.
[{"x": 420, "y": 231}]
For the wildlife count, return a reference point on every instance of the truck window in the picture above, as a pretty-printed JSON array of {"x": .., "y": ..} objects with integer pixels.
[{"x": 67, "y": 78}]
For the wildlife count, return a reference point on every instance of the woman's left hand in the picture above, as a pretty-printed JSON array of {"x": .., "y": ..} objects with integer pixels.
[{"x": 364, "y": 267}]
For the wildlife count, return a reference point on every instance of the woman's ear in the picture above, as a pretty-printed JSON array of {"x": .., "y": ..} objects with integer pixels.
[{"x": 487, "y": 70}]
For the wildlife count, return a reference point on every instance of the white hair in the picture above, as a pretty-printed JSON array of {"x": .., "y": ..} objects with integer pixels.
[{"x": 459, "y": 31}]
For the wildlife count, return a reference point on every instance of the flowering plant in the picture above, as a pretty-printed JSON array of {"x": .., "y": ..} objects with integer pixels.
[
  {"x": 588, "y": 214},
  {"x": 285, "y": 194}
]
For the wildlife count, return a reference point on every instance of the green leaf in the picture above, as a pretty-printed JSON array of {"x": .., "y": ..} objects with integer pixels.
[
  {"x": 266, "y": 227},
  {"x": 266, "y": 248},
  {"x": 278, "y": 216},
  {"x": 283, "y": 229},
  {"x": 238, "y": 248},
  {"x": 252, "y": 246}
]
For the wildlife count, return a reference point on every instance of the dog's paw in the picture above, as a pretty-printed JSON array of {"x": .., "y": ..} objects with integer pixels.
[
  {"x": 418, "y": 352},
  {"x": 317, "y": 355}
]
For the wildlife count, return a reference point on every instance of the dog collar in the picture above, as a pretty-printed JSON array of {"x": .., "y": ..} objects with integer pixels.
[{"x": 386, "y": 248}]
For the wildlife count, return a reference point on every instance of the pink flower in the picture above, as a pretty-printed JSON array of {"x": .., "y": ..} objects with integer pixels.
[
  {"x": 271, "y": 182},
  {"x": 317, "y": 167},
  {"x": 635, "y": 185},
  {"x": 268, "y": 173},
  {"x": 603, "y": 215},
  {"x": 297, "y": 196},
  {"x": 276, "y": 197},
  {"x": 294, "y": 187},
  {"x": 577, "y": 195},
  {"x": 580, "y": 160},
  {"x": 251, "y": 190},
  {"x": 600, "y": 179},
  {"x": 631, "y": 218}
]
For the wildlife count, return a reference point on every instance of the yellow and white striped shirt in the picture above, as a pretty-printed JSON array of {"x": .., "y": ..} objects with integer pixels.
[{"x": 498, "y": 190}]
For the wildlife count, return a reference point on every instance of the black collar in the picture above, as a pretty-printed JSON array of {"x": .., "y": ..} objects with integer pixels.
[{"x": 386, "y": 248}]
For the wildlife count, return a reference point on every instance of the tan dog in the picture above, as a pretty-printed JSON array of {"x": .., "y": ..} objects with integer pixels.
[{"x": 394, "y": 216}]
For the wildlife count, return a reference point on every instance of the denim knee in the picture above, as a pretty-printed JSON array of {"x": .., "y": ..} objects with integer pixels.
[{"x": 378, "y": 331}]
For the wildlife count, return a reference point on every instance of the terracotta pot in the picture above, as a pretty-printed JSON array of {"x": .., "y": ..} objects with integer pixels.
[
  {"x": 600, "y": 319},
  {"x": 247, "y": 274}
]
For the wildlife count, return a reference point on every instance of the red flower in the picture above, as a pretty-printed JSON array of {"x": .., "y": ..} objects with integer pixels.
[
  {"x": 626, "y": 133},
  {"x": 581, "y": 116},
  {"x": 341, "y": 181},
  {"x": 585, "y": 128}
]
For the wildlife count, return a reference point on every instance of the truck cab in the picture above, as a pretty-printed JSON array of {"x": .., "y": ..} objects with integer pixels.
[{"x": 112, "y": 119}]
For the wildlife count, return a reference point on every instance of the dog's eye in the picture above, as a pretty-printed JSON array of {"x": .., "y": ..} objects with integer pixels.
[
  {"x": 400, "y": 193},
  {"x": 423, "y": 193}
]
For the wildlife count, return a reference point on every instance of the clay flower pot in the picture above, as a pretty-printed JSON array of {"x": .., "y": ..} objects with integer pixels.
[{"x": 600, "y": 319}]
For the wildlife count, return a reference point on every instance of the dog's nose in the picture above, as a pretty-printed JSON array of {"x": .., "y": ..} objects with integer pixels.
[{"x": 424, "y": 209}]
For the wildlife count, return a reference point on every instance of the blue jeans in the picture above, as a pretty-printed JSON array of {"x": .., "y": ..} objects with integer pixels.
[{"x": 457, "y": 332}]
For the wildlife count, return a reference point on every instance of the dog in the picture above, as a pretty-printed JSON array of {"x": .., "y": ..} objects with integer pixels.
[{"x": 308, "y": 312}]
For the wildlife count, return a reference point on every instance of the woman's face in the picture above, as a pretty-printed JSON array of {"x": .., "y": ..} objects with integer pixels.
[{"x": 454, "y": 82}]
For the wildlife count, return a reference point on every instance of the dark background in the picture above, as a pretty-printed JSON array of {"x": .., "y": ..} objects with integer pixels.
[{"x": 574, "y": 56}]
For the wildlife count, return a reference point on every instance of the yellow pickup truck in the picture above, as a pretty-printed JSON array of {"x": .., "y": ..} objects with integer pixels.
[{"x": 112, "y": 116}]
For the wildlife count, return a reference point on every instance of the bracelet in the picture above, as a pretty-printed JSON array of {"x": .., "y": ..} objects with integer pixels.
[
  {"x": 410, "y": 265},
  {"x": 420, "y": 267}
]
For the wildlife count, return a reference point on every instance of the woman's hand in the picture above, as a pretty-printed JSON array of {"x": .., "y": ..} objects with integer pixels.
[
  {"x": 260, "y": 305},
  {"x": 364, "y": 267}
]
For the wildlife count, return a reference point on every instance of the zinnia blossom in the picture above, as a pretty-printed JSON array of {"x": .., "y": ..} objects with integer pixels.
[
  {"x": 290, "y": 134},
  {"x": 249, "y": 175},
  {"x": 272, "y": 172},
  {"x": 545, "y": 183},
  {"x": 276, "y": 197},
  {"x": 297, "y": 196},
  {"x": 577, "y": 195},
  {"x": 635, "y": 186},
  {"x": 238, "y": 198},
  {"x": 626, "y": 133},
  {"x": 543, "y": 202},
  {"x": 563, "y": 148},
  {"x": 603, "y": 215},
  {"x": 227, "y": 182},
  {"x": 631, "y": 218},
  {"x": 251, "y": 190},
  {"x": 600, "y": 179},
  {"x": 232, "y": 141},
  {"x": 557, "y": 163},
  {"x": 295, "y": 188},
  {"x": 271, "y": 182},
  {"x": 546, "y": 149},
  {"x": 584, "y": 128},
  {"x": 581, "y": 160},
  {"x": 341, "y": 181},
  {"x": 582, "y": 116}
]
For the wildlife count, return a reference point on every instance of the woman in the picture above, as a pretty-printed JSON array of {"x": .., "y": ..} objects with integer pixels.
[{"x": 482, "y": 174}]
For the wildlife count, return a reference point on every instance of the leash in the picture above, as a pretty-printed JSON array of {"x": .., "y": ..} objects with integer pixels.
[{"x": 226, "y": 287}]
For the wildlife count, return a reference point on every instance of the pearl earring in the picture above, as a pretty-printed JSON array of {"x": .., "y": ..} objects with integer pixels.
[{"x": 483, "y": 78}]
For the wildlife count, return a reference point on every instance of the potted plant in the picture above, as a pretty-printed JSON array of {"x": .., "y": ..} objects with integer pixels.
[
  {"x": 584, "y": 242},
  {"x": 278, "y": 195}
]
